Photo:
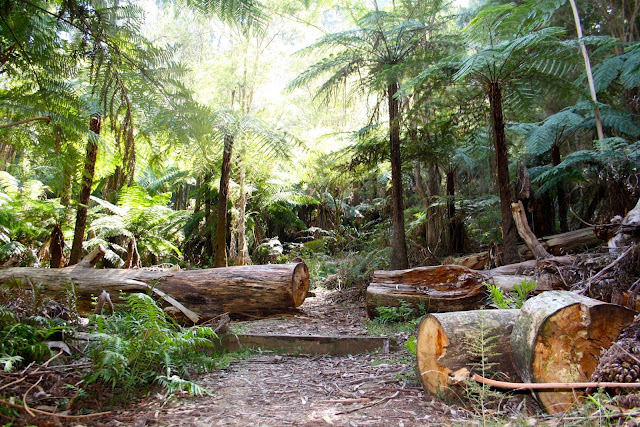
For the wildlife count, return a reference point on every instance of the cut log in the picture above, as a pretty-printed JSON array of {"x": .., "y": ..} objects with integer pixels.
[
  {"x": 558, "y": 337},
  {"x": 207, "y": 292},
  {"x": 445, "y": 288},
  {"x": 436, "y": 289},
  {"x": 445, "y": 342}
]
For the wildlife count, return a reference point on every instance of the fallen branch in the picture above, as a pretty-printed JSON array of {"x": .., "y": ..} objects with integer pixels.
[
  {"x": 550, "y": 386},
  {"x": 613, "y": 264},
  {"x": 377, "y": 402},
  {"x": 532, "y": 242}
]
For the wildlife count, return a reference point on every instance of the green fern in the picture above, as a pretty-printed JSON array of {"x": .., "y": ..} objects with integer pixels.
[{"x": 142, "y": 346}]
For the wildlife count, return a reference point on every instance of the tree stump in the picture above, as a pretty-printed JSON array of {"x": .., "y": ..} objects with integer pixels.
[
  {"x": 445, "y": 346},
  {"x": 559, "y": 337}
]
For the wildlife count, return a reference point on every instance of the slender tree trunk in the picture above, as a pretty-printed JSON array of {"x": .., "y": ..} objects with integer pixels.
[
  {"x": 509, "y": 231},
  {"x": 587, "y": 67},
  {"x": 85, "y": 192},
  {"x": 243, "y": 249},
  {"x": 399, "y": 258},
  {"x": 562, "y": 198},
  {"x": 198, "y": 204},
  {"x": 456, "y": 227},
  {"x": 221, "y": 229}
]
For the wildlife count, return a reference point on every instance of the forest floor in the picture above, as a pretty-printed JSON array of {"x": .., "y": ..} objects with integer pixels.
[{"x": 276, "y": 389}]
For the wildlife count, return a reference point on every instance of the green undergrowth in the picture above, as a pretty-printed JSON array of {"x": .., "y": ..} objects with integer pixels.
[
  {"x": 142, "y": 346},
  {"x": 131, "y": 352}
]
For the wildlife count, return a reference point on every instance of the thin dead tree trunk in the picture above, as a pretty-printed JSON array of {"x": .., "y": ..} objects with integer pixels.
[
  {"x": 587, "y": 67},
  {"x": 243, "y": 249}
]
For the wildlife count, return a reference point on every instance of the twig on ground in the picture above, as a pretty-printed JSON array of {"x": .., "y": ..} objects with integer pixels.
[
  {"x": 377, "y": 402},
  {"x": 24, "y": 398},
  {"x": 13, "y": 382}
]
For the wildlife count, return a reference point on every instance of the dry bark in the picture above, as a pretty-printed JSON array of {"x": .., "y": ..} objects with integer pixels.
[
  {"x": 206, "y": 292},
  {"x": 444, "y": 350},
  {"x": 435, "y": 289},
  {"x": 558, "y": 337}
]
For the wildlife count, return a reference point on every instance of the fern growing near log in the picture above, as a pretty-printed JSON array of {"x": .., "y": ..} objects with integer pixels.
[{"x": 142, "y": 346}]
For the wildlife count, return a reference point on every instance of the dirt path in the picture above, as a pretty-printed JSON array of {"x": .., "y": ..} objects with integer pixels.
[{"x": 271, "y": 389}]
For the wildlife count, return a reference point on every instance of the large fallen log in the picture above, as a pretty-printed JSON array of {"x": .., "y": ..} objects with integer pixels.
[
  {"x": 445, "y": 288},
  {"x": 558, "y": 338},
  {"x": 448, "y": 347},
  {"x": 206, "y": 293}
]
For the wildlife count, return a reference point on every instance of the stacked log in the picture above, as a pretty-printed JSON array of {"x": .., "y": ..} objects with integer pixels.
[
  {"x": 446, "y": 288},
  {"x": 557, "y": 337}
]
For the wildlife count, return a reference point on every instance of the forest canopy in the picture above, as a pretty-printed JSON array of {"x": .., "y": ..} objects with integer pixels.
[{"x": 381, "y": 134}]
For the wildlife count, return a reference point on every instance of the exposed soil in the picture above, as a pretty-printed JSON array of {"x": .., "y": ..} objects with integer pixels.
[{"x": 278, "y": 389}]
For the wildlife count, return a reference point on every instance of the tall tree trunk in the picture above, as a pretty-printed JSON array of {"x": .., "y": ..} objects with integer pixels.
[
  {"x": 562, "y": 197},
  {"x": 198, "y": 204},
  {"x": 85, "y": 191},
  {"x": 399, "y": 258},
  {"x": 208, "y": 223},
  {"x": 221, "y": 229},
  {"x": 509, "y": 231}
]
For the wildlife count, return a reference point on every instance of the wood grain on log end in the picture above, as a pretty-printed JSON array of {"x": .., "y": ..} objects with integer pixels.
[
  {"x": 559, "y": 337},
  {"x": 300, "y": 283}
]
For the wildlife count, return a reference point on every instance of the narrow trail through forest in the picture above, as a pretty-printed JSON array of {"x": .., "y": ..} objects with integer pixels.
[{"x": 271, "y": 389}]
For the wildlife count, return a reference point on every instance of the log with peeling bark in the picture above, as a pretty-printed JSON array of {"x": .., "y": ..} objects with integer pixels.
[
  {"x": 436, "y": 289},
  {"x": 445, "y": 288},
  {"x": 447, "y": 345},
  {"x": 558, "y": 337},
  {"x": 199, "y": 294}
]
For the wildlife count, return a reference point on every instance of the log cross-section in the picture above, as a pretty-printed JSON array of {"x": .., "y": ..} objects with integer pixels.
[
  {"x": 207, "y": 292},
  {"x": 559, "y": 337}
]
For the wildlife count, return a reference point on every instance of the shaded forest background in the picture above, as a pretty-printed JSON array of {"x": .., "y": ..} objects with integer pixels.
[{"x": 356, "y": 135}]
